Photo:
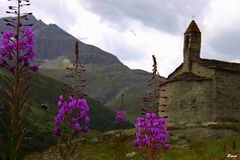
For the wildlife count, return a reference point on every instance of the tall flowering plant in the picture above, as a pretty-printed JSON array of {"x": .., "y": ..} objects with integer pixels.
[
  {"x": 153, "y": 129},
  {"x": 71, "y": 112},
  {"x": 120, "y": 137},
  {"x": 15, "y": 56}
]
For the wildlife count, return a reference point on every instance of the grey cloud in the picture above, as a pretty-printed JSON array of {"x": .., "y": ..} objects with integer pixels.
[
  {"x": 123, "y": 50},
  {"x": 226, "y": 44},
  {"x": 164, "y": 15},
  {"x": 57, "y": 10},
  {"x": 2, "y": 11},
  {"x": 126, "y": 53}
]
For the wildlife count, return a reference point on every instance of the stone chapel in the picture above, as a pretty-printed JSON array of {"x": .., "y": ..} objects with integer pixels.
[{"x": 201, "y": 90}]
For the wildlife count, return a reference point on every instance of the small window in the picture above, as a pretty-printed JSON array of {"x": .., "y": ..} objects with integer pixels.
[{"x": 186, "y": 42}]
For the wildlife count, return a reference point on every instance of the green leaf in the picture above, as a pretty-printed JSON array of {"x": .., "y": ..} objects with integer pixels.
[
  {"x": 78, "y": 157},
  {"x": 2, "y": 144},
  {"x": 61, "y": 151},
  {"x": 10, "y": 148},
  {"x": 73, "y": 150},
  {"x": 6, "y": 127}
]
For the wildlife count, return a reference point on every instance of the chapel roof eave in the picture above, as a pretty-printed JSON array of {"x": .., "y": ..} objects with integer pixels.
[
  {"x": 187, "y": 76},
  {"x": 214, "y": 64},
  {"x": 219, "y": 65}
]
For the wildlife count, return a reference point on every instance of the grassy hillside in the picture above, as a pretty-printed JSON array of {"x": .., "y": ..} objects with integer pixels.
[
  {"x": 47, "y": 91},
  {"x": 107, "y": 84}
]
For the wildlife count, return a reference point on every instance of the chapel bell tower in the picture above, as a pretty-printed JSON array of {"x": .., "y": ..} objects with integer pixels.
[{"x": 192, "y": 45}]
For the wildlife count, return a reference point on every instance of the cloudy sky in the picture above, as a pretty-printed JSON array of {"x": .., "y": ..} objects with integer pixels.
[{"x": 134, "y": 30}]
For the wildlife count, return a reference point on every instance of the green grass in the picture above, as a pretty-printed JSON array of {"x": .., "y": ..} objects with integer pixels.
[
  {"x": 229, "y": 126},
  {"x": 197, "y": 150}
]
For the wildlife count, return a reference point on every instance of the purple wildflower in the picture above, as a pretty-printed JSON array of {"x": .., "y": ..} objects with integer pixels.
[
  {"x": 155, "y": 128},
  {"x": 26, "y": 62},
  {"x": 85, "y": 129},
  {"x": 57, "y": 131},
  {"x": 31, "y": 54},
  {"x": 136, "y": 144},
  {"x": 86, "y": 119},
  {"x": 12, "y": 68},
  {"x": 166, "y": 147},
  {"x": 121, "y": 117},
  {"x": 6, "y": 36},
  {"x": 76, "y": 131},
  {"x": 20, "y": 59},
  {"x": 2, "y": 63},
  {"x": 66, "y": 109},
  {"x": 74, "y": 123},
  {"x": 35, "y": 68},
  {"x": 59, "y": 119},
  {"x": 60, "y": 101},
  {"x": 10, "y": 45},
  {"x": 157, "y": 147},
  {"x": 29, "y": 33}
]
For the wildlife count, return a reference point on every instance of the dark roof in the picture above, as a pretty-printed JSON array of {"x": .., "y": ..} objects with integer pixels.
[
  {"x": 215, "y": 64},
  {"x": 192, "y": 27},
  {"x": 187, "y": 76}
]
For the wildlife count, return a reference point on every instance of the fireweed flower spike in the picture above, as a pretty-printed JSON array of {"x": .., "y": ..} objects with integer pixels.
[
  {"x": 120, "y": 137},
  {"x": 121, "y": 117},
  {"x": 15, "y": 55},
  {"x": 71, "y": 112},
  {"x": 153, "y": 129}
]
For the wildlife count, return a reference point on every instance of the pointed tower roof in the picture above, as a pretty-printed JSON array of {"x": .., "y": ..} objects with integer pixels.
[{"x": 192, "y": 27}]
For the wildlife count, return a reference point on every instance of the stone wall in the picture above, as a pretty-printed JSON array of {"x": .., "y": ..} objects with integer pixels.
[
  {"x": 196, "y": 69},
  {"x": 202, "y": 71},
  {"x": 227, "y": 96},
  {"x": 188, "y": 101}
]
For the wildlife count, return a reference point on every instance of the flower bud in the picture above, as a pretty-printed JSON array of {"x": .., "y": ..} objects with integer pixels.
[
  {"x": 69, "y": 76},
  {"x": 163, "y": 97},
  {"x": 12, "y": 68},
  {"x": 64, "y": 90},
  {"x": 164, "y": 105},
  {"x": 35, "y": 68},
  {"x": 166, "y": 147},
  {"x": 150, "y": 84},
  {"x": 161, "y": 111}
]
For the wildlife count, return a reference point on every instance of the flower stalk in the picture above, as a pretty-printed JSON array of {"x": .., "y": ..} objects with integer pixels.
[
  {"x": 120, "y": 136},
  {"x": 71, "y": 112},
  {"x": 153, "y": 129},
  {"x": 16, "y": 51}
]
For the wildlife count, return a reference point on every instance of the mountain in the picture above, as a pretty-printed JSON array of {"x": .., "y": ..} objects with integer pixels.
[{"x": 107, "y": 78}]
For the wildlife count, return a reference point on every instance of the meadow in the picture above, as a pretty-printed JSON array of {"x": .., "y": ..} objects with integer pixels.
[{"x": 101, "y": 146}]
